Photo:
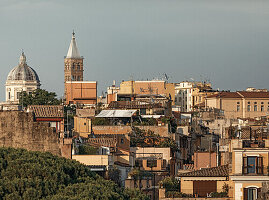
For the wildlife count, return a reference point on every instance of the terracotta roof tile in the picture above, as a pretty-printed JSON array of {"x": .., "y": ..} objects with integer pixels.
[
  {"x": 254, "y": 94},
  {"x": 240, "y": 94},
  {"x": 220, "y": 171},
  {"x": 47, "y": 111},
  {"x": 226, "y": 95}
]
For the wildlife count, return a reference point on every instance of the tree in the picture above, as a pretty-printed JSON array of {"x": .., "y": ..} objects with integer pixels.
[
  {"x": 87, "y": 150},
  {"x": 170, "y": 184},
  {"x": 114, "y": 175},
  {"x": 38, "y": 97},
  {"x": 34, "y": 175}
]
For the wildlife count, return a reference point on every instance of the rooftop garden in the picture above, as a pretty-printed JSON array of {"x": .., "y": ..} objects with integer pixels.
[{"x": 147, "y": 138}]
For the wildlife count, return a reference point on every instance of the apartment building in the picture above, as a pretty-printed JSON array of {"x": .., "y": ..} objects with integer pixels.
[
  {"x": 241, "y": 104},
  {"x": 249, "y": 168},
  {"x": 189, "y": 95}
]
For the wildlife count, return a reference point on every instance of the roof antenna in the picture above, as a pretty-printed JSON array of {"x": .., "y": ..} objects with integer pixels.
[{"x": 73, "y": 33}]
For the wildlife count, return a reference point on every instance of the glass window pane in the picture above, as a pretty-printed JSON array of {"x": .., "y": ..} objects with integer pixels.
[{"x": 251, "y": 164}]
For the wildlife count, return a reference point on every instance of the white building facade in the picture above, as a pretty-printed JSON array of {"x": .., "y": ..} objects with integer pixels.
[
  {"x": 21, "y": 78},
  {"x": 183, "y": 96}
]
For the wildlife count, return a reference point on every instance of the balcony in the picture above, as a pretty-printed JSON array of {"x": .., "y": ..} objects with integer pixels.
[{"x": 253, "y": 144}]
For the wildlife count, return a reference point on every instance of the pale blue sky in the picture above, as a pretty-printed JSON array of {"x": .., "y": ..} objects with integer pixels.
[{"x": 226, "y": 41}]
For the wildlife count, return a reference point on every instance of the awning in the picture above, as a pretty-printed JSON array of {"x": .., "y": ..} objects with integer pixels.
[{"x": 116, "y": 113}]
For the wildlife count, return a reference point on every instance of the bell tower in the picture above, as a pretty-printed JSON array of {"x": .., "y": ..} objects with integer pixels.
[{"x": 73, "y": 63}]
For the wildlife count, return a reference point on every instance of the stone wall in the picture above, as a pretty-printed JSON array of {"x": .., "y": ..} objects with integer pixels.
[{"x": 19, "y": 130}]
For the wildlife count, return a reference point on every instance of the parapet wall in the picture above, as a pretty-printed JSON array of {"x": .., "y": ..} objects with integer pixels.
[{"x": 19, "y": 130}]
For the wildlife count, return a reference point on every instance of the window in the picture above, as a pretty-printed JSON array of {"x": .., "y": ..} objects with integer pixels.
[
  {"x": 121, "y": 141},
  {"x": 238, "y": 108},
  {"x": 267, "y": 108},
  {"x": 9, "y": 95},
  {"x": 248, "y": 108},
  {"x": 139, "y": 163},
  {"x": 18, "y": 95},
  {"x": 73, "y": 66},
  {"x": 78, "y": 67},
  {"x": 249, "y": 102},
  {"x": 251, "y": 193},
  {"x": 148, "y": 185},
  {"x": 175, "y": 99},
  {"x": 164, "y": 164},
  {"x": 255, "y": 108},
  {"x": 238, "y": 102},
  {"x": 253, "y": 165},
  {"x": 261, "y": 102},
  {"x": 262, "y": 108},
  {"x": 151, "y": 163}
]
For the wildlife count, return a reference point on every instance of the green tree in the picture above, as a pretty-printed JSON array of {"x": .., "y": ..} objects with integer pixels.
[
  {"x": 87, "y": 150},
  {"x": 114, "y": 175},
  {"x": 34, "y": 175},
  {"x": 170, "y": 184},
  {"x": 38, "y": 97}
]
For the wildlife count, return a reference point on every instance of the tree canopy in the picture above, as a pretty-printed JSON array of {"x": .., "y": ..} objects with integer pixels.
[
  {"x": 38, "y": 97},
  {"x": 34, "y": 175}
]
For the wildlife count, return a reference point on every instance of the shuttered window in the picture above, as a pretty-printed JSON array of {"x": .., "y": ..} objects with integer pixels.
[
  {"x": 245, "y": 165},
  {"x": 259, "y": 165},
  {"x": 251, "y": 193},
  {"x": 252, "y": 165}
]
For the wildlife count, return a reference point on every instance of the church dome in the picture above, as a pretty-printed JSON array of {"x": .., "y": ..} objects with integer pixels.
[{"x": 23, "y": 72}]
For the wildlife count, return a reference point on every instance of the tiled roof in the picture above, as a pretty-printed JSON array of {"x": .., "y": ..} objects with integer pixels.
[
  {"x": 121, "y": 164},
  {"x": 226, "y": 95},
  {"x": 107, "y": 142},
  {"x": 254, "y": 94},
  {"x": 47, "y": 111},
  {"x": 240, "y": 94},
  {"x": 220, "y": 171},
  {"x": 188, "y": 166}
]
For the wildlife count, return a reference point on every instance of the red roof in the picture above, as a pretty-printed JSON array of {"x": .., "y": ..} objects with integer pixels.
[
  {"x": 240, "y": 94},
  {"x": 254, "y": 94},
  {"x": 220, "y": 171},
  {"x": 47, "y": 111}
]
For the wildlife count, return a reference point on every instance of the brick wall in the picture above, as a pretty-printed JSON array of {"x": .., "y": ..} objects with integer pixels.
[
  {"x": 19, "y": 130},
  {"x": 203, "y": 160}
]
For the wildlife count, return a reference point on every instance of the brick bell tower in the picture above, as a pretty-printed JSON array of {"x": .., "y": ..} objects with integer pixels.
[{"x": 73, "y": 64}]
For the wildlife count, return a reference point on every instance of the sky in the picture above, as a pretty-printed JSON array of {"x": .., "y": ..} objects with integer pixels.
[{"x": 223, "y": 41}]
